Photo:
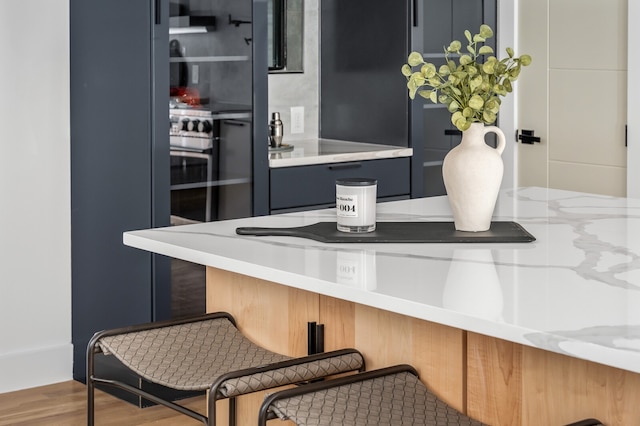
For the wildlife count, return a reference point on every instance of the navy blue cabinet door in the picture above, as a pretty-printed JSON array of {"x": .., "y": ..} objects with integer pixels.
[
  {"x": 119, "y": 164},
  {"x": 435, "y": 24}
]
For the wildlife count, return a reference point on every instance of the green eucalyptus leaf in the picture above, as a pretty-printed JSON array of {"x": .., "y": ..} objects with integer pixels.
[
  {"x": 489, "y": 67},
  {"x": 467, "y": 34},
  {"x": 428, "y": 70},
  {"x": 510, "y": 52},
  {"x": 444, "y": 70},
  {"x": 492, "y": 105},
  {"x": 461, "y": 74},
  {"x": 463, "y": 124},
  {"x": 406, "y": 70},
  {"x": 414, "y": 59},
  {"x": 489, "y": 117},
  {"x": 471, "y": 50},
  {"x": 453, "y": 106},
  {"x": 525, "y": 60},
  {"x": 468, "y": 112},
  {"x": 507, "y": 86},
  {"x": 456, "y": 116},
  {"x": 417, "y": 78},
  {"x": 476, "y": 102},
  {"x": 486, "y": 31},
  {"x": 465, "y": 60},
  {"x": 425, "y": 93},
  {"x": 475, "y": 82},
  {"x": 485, "y": 50},
  {"x": 479, "y": 39},
  {"x": 433, "y": 96},
  {"x": 454, "y": 46},
  {"x": 499, "y": 89},
  {"x": 412, "y": 89}
]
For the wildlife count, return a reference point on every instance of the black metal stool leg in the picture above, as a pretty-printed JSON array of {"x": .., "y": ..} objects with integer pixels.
[
  {"x": 211, "y": 409},
  {"x": 90, "y": 385}
]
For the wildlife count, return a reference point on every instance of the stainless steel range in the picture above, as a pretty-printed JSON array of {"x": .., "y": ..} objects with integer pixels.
[
  {"x": 193, "y": 164},
  {"x": 191, "y": 129}
]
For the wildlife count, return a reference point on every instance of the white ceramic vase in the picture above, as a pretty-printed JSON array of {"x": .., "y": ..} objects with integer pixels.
[{"x": 472, "y": 173}]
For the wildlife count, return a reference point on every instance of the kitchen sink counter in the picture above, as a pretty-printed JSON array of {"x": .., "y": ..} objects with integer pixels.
[{"x": 325, "y": 151}]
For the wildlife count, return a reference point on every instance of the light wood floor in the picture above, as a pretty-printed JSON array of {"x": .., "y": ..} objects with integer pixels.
[{"x": 64, "y": 404}]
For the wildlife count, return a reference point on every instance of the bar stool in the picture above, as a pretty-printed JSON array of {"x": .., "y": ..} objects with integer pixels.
[
  {"x": 207, "y": 352},
  {"x": 391, "y": 396}
]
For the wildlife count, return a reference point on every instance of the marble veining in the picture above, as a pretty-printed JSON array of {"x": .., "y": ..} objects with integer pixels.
[{"x": 575, "y": 290}]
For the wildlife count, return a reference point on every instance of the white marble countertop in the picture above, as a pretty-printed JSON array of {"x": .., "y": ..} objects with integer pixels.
[
  {"x": 324, "y": 151},
  {"x": 574, "y": 291}
]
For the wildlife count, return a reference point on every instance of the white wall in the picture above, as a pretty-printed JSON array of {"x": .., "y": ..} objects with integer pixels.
[
  {"x": 35, "y": 260},
  {"x": 35, "y": 215},
  {"x": 633, "y": 102},
  {"x": 506, "y": 37}
]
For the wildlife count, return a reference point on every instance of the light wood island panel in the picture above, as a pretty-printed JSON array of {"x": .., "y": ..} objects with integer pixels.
[
  {"x": 512, "y": 384},
  {"x": 495, "y": 381}
]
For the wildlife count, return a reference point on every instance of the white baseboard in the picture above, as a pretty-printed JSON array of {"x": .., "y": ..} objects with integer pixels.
[{"x": 44, "y": 366}]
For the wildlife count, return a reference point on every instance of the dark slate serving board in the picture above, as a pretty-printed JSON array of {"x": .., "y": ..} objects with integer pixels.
[{"x": 400, "y": 232}]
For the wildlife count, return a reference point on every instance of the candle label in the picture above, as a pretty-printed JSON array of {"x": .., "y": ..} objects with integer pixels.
[{"x": 346, "y": 205}]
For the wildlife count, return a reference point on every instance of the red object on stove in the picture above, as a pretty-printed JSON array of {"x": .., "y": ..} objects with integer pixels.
[{"x": 186, "y": 95}]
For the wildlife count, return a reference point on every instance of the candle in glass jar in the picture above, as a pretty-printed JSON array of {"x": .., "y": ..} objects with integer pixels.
[{"x": 356, "y": 204}]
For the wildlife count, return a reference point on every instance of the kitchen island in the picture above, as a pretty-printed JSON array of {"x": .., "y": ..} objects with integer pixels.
[{"x": 544, "y": 333}]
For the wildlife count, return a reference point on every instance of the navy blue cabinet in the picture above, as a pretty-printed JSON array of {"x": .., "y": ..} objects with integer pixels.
[
  {"x": 120, "y": 147},
  {"x": 118, "y": 159},
  {"x": 307, "y": 187}
]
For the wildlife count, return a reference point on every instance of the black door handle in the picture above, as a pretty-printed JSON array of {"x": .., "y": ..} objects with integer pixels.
[
  {"x": 451, "y": 132},
  {"x": 158, "y": 12},
  {"x": 234, "y": 123},
  {"x": 414, "y": 12},
  {"x": 527, "y": 136},
  {"x": 342, "y": 166}
]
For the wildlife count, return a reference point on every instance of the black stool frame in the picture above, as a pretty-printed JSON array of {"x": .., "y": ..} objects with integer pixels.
[{"x": 213, "y": 396}]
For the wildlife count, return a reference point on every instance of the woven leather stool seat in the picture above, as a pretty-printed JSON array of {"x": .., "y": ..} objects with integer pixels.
[
  {"x": 392, "y": 396},
  {"x": 208, "y": 353}
]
